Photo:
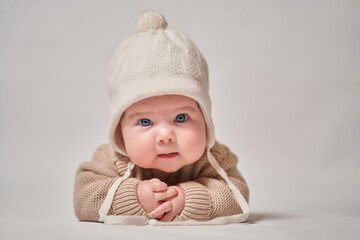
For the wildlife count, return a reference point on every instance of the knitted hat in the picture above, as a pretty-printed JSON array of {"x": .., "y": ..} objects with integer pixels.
[{"x": 156, "y": 61}]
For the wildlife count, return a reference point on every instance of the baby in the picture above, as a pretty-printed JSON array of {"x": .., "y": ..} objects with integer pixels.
[{"x": 162, "y": 163}]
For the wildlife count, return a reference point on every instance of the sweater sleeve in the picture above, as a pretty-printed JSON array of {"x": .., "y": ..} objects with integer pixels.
[
  {"x": 94, "y": 179},
  {"x": 208, "y": 196}
]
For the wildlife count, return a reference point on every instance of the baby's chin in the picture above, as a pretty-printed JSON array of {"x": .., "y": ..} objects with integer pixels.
[{"x": 169, "y": 168}]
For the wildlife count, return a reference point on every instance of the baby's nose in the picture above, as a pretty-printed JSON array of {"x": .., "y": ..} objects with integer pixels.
[{"x": 165, "y": 135}]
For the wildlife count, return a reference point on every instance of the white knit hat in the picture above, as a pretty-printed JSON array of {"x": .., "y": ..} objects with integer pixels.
[{"x": 156, "y": 61}]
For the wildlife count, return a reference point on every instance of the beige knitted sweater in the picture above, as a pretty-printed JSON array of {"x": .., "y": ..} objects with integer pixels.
[{"x": 207, "y": 196}]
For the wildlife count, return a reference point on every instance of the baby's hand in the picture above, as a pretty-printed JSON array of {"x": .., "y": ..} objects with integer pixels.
[
  {"x": 171, "y": 207},
  {"x": 152, "y": 193}
]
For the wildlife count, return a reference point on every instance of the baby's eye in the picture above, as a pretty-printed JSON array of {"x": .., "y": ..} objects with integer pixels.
[
  {"x": 145, "y": 122},
  {"x": 181, "y": 118}
]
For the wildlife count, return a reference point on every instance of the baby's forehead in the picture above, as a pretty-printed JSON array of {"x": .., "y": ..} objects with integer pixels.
[{"x": 163, "y": 103}]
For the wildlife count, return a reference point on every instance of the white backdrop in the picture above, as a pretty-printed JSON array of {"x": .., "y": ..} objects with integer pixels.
[{"x": 285, "y": 86}]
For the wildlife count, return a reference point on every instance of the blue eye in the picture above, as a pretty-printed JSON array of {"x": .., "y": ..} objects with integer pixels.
[
  {"x": 145, "y": 122},
  {"x": 181, "y": 118}
]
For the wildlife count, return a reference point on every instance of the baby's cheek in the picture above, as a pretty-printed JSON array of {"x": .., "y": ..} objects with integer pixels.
[
  {"x": 137, "y": 158},
  {"x": 196, "y": 145},
  {"x": 140, "y": 152}
]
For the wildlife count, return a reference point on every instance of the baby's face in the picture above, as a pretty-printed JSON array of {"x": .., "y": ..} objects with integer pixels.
[{"x": 164, "y": 132}]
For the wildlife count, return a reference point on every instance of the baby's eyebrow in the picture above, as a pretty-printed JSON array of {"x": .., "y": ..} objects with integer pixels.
[
  {"x": 186, "y": 108},
  {"x": 182, "y": 108},
  {"x": 135, "y": 114}
]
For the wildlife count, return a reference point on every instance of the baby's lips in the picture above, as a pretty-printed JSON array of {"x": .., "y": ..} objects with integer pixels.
[{"x": 168, "y": 155}]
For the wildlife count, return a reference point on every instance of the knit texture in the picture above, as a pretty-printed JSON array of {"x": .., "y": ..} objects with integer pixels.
[{"x": 207, "y": 196}]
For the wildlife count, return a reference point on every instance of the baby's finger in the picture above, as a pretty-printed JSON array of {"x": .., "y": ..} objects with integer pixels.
[
  {"x": 168, "y": 216},
  {"x": 158, "y": 186},
  {"x": 163, "y": 208},
  {"x": 170, "y": 192},
  {"x": 154, "y": 180},
  {"x": 157, "y": 217}
]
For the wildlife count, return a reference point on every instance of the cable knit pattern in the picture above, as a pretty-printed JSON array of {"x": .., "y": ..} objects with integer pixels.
[
  {"x": 126, "y": 201},
  {"x": 207, "y": 196},
  {"x": 198, "y": 202}
]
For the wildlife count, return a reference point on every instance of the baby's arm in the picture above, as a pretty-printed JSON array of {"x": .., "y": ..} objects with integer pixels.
[
  {"x": 208, "y": 196},
  {"x": 94, "y": 179}
]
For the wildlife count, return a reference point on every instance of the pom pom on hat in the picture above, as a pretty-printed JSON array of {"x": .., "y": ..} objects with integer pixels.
[{"x": 151, "y": 20}]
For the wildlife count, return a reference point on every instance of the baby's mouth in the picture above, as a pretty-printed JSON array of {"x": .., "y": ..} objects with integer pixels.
[{"x": 168, "y": 155}]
